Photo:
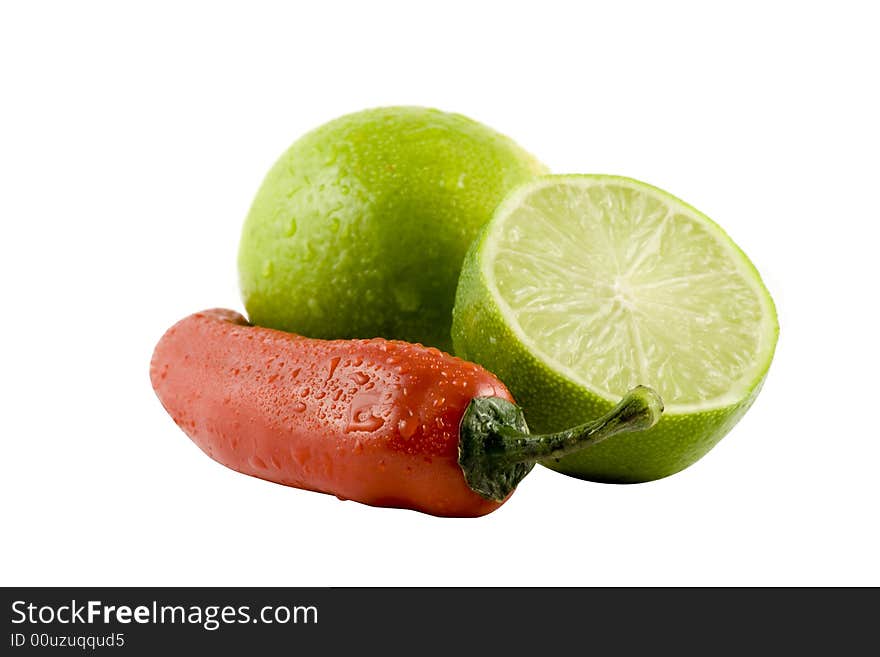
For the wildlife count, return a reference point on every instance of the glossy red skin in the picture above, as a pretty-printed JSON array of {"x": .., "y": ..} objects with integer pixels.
[{"x": 374, "y": 421}]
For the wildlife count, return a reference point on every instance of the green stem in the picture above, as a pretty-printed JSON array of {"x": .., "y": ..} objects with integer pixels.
[{"x": 496, "y": 450}]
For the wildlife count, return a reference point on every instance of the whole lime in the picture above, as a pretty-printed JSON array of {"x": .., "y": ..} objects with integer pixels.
[{"x": 360, "y": 228}]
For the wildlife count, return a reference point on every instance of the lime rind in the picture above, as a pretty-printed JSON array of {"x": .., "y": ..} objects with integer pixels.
[{"x": 736, "y": 292}]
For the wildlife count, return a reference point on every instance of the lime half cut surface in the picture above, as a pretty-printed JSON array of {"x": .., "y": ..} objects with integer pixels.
[{"x": 584, "y": 286}]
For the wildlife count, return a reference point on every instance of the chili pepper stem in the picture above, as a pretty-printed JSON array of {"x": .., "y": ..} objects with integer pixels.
[{"x": 496, "y": 450}]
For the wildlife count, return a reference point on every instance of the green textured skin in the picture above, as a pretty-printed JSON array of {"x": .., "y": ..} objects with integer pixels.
[
  {"x": 551, "y": 402},
  {"x": 360, "y": 228}
]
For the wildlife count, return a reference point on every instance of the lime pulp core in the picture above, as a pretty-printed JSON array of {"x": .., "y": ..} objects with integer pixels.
[{"x": 615, "y": 283}]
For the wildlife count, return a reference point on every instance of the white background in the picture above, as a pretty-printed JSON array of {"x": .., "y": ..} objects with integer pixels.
[{"x": 133, "y": 137}]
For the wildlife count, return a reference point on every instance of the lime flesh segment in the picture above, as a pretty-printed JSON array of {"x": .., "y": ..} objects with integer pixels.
[
  {"x": 583, "y": 287},
  {"x": 621, "y": 285}
]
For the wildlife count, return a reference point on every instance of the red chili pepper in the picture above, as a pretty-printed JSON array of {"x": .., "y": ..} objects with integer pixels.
[{"x": 383, "y": 422}]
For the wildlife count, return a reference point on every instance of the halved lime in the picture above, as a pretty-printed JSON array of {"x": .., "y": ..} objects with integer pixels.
[{"x": 584, "y": 286}]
